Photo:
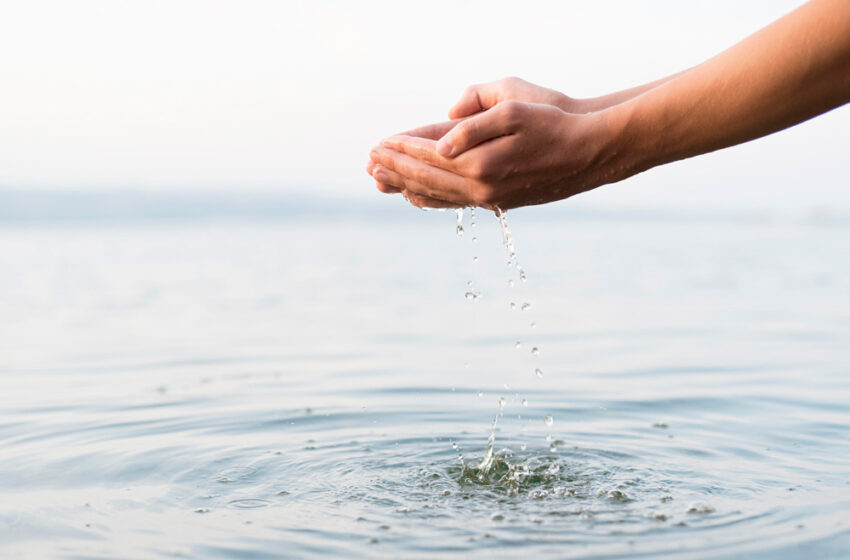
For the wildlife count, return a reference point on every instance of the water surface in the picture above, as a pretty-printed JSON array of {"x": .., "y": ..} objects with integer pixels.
[{"x": 298, "y": 389}]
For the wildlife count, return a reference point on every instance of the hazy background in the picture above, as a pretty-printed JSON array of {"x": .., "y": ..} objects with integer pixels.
[{"x": 288, "y": 96}]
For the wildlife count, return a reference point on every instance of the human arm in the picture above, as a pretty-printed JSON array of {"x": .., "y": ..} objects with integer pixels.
[
  {"x": 480, "y": 97},
  {"x": 517, "y": 153}
]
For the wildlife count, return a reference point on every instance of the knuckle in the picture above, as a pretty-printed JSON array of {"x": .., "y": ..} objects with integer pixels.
[
  {"x": 484, "y": 194},
  {"x": 475, "y": 169},
  {"x": 480, "y": 168},
  {"x": 511, "y": 111}
]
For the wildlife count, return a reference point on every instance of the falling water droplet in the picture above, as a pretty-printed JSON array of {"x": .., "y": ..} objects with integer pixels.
[
  {"x": 525, "y": 306},
  {"x": 524, "y": 402},
  {"x": 533, "y": 325},
  {"x": 475, "y": 240},
  {"x": 511, "y": 283},
  {"x": 459, "y": 228},
  {"x": 474, "y": 259},
  {"x": 548, "y": 420},
  {"x": 513, "y": 305},
  {"x": 472, "y": 296},
  {"x": 538, "y": 372},
  {"x": 535, "y": 351},
  {"x": 517, "y": 345},
  {"x": 522, "y": 447}
]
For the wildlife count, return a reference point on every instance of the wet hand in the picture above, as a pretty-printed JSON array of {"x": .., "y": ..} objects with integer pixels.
[{"x": 515, "y": 154}]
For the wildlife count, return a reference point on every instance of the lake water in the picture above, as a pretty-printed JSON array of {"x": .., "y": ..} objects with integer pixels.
[{"x": 297, "y": 388}]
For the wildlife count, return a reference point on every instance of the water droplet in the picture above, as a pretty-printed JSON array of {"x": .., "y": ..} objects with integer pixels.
[
  {"x": 524, "y": 402},
  {"x": 474, "y": 259},
  {"x": 533, "y": 325},
  {"x": 469, "y": 283},
  {"x": 523, "y": 447},
  {"x": 535, "y": 351},
  {"x": 548, "y": 420},
  {"x": 459, "y": 228},
  {"x": 454, "y": 446},
  {"x": 474, "y": 239},
  {"x": 525, "y": 306},
  {"x": 472, "y": 296},
  {"x": 517, "y": 345},
  {"x": 553, "y": 468},
  {"x": 513, "y": 305},
  {"x": 480, "y": 394},
  {"x": 538, "y": 372}
]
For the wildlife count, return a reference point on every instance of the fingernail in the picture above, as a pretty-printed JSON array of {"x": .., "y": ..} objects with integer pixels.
[
  {"x": 373, "y": 155},
  {"x": 444, "y": 147},
  {"x": 381, "y": 176},
  {"x": 387, "y": 142}
]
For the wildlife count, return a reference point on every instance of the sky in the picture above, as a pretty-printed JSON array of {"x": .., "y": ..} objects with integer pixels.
[{"x": 289, "y": 96}]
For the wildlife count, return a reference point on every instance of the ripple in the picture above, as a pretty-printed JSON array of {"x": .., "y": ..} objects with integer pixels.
[{"x": 249, "y": 503}]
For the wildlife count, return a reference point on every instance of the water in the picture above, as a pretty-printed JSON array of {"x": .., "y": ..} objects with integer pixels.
[{"x": 294, "y": 390}]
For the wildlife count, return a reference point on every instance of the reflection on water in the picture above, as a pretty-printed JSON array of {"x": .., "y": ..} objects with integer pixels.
[{"x": 268, "y": 391}]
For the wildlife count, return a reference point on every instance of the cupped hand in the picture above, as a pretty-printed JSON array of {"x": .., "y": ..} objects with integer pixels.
[{"x": 515, "y": 154}]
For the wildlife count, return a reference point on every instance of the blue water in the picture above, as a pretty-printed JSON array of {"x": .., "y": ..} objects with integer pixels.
[{"x": 292, "y": 387}]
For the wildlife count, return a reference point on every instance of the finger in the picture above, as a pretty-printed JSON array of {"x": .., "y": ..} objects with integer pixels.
[
  {"x": 431, "y": 131},
  {"x": 422, "y": 178},
  {"x": 503, "y": 119},
  {"x": 426, "y": 202},
  {"x": 477, "y": 98},
  {"x": 412, "y": 190},
  {"x": 420, "y": 148},
  {"x": 383, "y": 181}
]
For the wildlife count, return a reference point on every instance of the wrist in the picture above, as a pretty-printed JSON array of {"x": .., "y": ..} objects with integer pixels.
[{"x": 628, "y": 145}]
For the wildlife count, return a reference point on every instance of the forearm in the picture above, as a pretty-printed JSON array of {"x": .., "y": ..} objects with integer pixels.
[
  {"x": 591, "y": 104},
  {"x": 788, "y": 72}
]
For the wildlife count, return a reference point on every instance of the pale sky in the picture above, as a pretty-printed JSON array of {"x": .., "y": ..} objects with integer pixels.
[{"x": 285, "y": 95}]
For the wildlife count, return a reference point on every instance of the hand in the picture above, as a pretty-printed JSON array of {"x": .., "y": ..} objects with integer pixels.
[
  {"x": 481, "y": 97},
  {"x": 515, "y": 154},
  {"x": 475, "y": 98},
  {"x": 384, "y": 178}
]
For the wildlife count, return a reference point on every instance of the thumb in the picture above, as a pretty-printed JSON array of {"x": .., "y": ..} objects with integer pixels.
[
  {"x": 474, "y": 99},
  {"x": 503, "y": 119}
]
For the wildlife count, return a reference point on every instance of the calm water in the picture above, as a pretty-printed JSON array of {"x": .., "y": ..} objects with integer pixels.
[{"x": 295, "y": 389}]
